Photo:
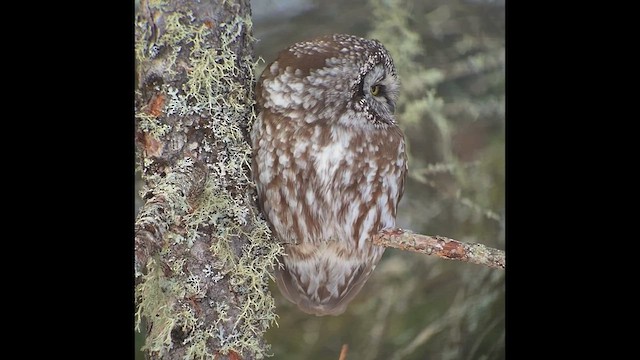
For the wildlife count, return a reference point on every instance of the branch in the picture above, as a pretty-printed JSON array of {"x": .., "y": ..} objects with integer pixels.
[
  {"x": 441, "y": 246},
  {"x": 343, "y": 352}
]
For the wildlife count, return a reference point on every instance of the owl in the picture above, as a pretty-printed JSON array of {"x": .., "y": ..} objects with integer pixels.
[{"x": 329, "y": 165}]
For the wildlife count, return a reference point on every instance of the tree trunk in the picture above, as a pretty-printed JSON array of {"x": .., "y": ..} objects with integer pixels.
[{"x": 202, "y": 253}]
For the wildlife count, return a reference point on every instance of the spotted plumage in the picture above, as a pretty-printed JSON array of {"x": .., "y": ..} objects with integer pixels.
[{"x": 329, "y": 164}]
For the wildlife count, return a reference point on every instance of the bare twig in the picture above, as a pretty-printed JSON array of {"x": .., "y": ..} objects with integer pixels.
[
  {"x": 441, "y": 246},
  {"x": 343, "y": 352}
]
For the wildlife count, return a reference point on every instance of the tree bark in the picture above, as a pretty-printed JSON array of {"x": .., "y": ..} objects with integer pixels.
[{"x": 202, "y": 253}]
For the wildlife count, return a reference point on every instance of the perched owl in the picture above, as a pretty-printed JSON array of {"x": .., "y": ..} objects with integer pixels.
[{"x": 329, "y": 163}]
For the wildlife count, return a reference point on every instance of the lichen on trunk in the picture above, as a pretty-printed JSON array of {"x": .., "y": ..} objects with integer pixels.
[{"x": 203, "y": 254}]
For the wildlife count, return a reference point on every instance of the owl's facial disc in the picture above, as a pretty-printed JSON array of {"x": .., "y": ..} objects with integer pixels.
[{"x": 379, "y": 93}]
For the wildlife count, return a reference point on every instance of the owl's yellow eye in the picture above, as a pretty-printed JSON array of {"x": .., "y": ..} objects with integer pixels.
[{"x": 376, "y": 89}]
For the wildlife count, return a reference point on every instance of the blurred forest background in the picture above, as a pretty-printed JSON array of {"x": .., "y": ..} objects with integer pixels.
[{"x": 450, "y": 55}]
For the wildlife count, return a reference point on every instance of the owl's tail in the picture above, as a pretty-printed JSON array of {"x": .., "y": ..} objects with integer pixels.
[{"x": 321, "y": 285}]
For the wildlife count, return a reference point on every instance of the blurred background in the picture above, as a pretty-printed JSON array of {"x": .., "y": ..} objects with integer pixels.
[{"x": 450, "y": 57}]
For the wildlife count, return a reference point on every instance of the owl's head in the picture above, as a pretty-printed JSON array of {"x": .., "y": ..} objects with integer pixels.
[{"x": 337, "y": 79}]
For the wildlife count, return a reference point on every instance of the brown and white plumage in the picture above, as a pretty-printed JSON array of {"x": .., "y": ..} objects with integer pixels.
[{"x": 329, "y": 164}]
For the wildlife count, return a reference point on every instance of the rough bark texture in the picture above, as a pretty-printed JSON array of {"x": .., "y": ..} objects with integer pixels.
[{"x": 202, "y": 255}]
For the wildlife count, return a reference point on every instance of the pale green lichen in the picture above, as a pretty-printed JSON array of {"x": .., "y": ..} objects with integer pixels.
[
  {"x": 155, "y": 303},
  {"x": 151, "y": 124},
  {"x": 250, "y": 273},
  {"x": 178, "y": 33},
  {"x": 224, "y": 207}
]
